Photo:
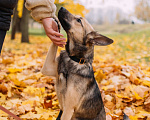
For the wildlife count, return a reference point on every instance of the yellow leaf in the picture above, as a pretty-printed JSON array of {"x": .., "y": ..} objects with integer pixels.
[
  {"x": 106, "y": 82},
  {"x": 55, "y": 103},
  {"x": 140, "y": 115},
  {"x": 108, "y": 87},
  {"x": 34, "y": 91},
  {"x": 52, "y": 95},
  {"x": 137, "y": 96},
  {"x": 74, "y": 8},
  {"x": 12, "y": 76},
  {"x": 20, "y": 8},
  {"x": 100, "y": 76},
  {"x": 31, "y": 115},
  {"x": 7, "y": 60},
  {"x": 42, "y": 89},
  {"x": 19, "y": 83},
  {"x": 2, "y": 75},
  {"x": 3, "y": 118},
  {"x": 133, "y": 117},
  {"x": 122, "y": 96},
  {"x": 104, "y": 88},
  {"x": 2, "y": 97},
  {"x": 38, "y": 75},
  {"x": 146, "y": 83},
  {"x": 14, "y": 70},
  {"x": 40, "y": 110}
]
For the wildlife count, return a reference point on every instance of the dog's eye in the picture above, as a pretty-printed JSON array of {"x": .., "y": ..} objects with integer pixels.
[{"x": 79, "y": 20}]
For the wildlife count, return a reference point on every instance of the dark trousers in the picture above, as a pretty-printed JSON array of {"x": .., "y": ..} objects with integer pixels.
[{"x": 2, "y": 37}]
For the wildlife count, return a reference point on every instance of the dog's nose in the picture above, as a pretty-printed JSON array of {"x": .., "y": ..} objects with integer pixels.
[{"x": 62, "y": 9}]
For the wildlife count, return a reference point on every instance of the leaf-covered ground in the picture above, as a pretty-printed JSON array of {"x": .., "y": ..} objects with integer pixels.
[{"x": 122, "y": 71}]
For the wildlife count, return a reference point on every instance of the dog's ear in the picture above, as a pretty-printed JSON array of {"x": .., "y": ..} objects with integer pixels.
[{"x": 98, "y": 39}]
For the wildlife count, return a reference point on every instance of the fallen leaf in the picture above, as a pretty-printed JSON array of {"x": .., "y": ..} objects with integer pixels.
[
  {"x": 100, "y": 76},
  {"x": 14, "y": 70},
  {"x": 7, "y": 60},
  {"x": 128, "y": 111},
  {"x": 3, "y": 89},
  {"x": 147, "y": 104},
  {"x": 31, "y": 115},
  {"x": 47, "y": 104}
]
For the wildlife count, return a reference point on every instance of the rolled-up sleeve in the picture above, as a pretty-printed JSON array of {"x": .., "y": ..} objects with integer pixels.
[{"x": 41, "y": 8}]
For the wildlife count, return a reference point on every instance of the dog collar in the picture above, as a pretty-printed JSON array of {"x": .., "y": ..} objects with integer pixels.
[{"x": 79, "y": 60}]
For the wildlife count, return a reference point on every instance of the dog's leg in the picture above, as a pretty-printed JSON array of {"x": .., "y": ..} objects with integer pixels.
[
  {"x": 69, "y": 102},
  {"x": 50, "y": 64},
  {"x": 67, "y": 114},
  {"x": 102, "y": 115}
]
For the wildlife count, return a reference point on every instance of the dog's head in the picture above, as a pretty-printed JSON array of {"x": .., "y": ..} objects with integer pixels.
[{"x": 80, "y": 34}]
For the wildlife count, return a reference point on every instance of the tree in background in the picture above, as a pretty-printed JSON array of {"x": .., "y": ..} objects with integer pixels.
[
  {"x": 142, "y": 10},
  {"x": 20, "y": 21},
  {"x": 73, "y": 7}
]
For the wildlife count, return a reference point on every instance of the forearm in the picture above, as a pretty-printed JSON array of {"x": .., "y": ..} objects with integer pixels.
[{"x": 41, "y": 9}]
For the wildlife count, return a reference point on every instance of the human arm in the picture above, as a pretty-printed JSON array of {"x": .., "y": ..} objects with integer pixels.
[
  {"x": 43, "y": 11},
  {"x": 51, "y": 29}
]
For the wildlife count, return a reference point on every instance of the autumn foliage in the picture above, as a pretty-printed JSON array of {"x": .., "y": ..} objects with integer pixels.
[
  {"x": 20, "y": 8},
  {"x": 122, "y": 71},
  {"x": 142, "y": 10},
  {"x": 74, "y": 8},
  {"x": 70, "y": 5}
]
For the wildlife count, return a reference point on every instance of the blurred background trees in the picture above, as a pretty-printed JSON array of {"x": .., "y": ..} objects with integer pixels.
[
  {"x": 99, "y": 12},
  {"x": 142, "y": 10},
  {"x": 72, "y": 6},
  {"x": 117, "y": 12}
]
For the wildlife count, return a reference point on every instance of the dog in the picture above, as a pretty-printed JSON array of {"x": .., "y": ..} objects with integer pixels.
[{"x": 76, "y": 88}]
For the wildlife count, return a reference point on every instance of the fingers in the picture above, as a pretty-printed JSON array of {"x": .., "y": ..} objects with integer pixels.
[
  {"x": 51, "y": 32},
  {"x": 51, "y": 29},
  {"x": 57, "y": 34},
  {"x": 60, "y": 44},
  {"x": 57, "y": 40}
]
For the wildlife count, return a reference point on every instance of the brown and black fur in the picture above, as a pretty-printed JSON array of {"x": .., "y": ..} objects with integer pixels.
[{"x": 77, "y": 91}]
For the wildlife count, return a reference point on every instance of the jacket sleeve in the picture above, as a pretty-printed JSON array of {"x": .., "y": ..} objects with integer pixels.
[{"x": 41, "y": 9}]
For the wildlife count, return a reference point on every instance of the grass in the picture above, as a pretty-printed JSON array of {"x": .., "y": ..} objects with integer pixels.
[
  {"x": 131, "y": 42},
  {"x": 121, "y": 28}
]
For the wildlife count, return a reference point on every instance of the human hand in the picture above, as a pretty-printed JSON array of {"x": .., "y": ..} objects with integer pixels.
[{"x": 51, "y": 29}]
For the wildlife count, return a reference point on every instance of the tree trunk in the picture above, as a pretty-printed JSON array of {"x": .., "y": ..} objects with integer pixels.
[
  {"x": 20, "y": 24},
  {"x": 15, "y": 24},
  {"x": 24, "y": 25}
]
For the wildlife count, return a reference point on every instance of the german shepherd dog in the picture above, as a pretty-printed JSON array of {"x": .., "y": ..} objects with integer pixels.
[{"x": 77, "y": 91}]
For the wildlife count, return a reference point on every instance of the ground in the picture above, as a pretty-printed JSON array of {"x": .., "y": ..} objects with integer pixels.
[{"x": 122, "y": 71}]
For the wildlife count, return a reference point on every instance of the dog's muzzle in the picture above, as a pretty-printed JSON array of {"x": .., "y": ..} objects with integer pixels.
[{"x": 65, "y": 17}]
